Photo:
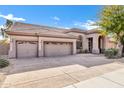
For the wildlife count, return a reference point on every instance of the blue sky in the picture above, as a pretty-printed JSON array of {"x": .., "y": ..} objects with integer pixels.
[{"x": 57, "y": 16}]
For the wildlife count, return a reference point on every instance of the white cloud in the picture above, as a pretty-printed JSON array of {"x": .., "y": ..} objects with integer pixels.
[
  {"x": 56, "y": 18},
  {"x": 64, "y": 27},
  {"x": 1, "y": 37},
  {"x": 11, "y": 17},
  {"x": 88, "y": 25},
  {"x": 1, "y": 26},
  {"x": 67, "y": 27}
]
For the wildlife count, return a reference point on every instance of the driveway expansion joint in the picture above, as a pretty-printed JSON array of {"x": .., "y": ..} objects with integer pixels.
[
  {"x": 112, "y": 81},
  {"x": 36, "y": 80},
  {"x": 70, "y": 75}
]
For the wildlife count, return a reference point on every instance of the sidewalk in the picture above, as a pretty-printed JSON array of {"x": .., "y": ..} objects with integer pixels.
[{"x": 113, "y": 79}]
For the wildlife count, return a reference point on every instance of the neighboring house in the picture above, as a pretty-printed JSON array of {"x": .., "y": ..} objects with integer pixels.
[{"x": 29, "y": 40}]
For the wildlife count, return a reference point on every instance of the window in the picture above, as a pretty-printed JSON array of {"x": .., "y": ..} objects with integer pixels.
[
  {"x": 80, "y": 38},
  {"x": 79, "y": 45},
  {"x": 79, "y": 42}
]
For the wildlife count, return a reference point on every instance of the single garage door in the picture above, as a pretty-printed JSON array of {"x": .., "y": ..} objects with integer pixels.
[
  {"x": 26, "y": 49},
  {"x": 57, "y": 48}
]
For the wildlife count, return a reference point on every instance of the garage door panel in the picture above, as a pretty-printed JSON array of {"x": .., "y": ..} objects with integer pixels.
[
  {"x": 26, "y": 49},
  {"x": 57, "y": 49}
]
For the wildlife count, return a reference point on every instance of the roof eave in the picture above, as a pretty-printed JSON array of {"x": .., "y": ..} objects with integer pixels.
[{"x": 37, "y": 34}]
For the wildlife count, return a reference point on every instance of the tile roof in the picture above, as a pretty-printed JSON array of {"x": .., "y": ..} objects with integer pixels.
[
  {"x": 31, "y": 29},
  {"x": 46, "y": 30}
]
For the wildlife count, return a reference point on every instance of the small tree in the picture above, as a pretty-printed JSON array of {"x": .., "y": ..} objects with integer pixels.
[{"x": 112, "y": 22}]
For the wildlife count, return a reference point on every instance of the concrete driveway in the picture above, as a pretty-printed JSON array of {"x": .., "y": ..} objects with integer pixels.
[
  {"x": 58, "y": 71},
  {"x": 82, "y": 60},
  {"x": 113, "y": 79}
]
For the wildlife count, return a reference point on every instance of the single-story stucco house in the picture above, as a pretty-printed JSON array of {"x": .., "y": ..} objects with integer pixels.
[{"x": 30, "y": 40}]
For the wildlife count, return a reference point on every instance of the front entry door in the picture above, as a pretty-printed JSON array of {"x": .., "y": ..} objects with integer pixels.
[{"x": 90, "y": 44}]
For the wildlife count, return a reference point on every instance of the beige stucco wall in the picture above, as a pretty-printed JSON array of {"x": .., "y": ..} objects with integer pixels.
[
  {"x": 84, "y": 42},
  {"x": 41, "y": 40},
  {"x": 95, "y": 37}
]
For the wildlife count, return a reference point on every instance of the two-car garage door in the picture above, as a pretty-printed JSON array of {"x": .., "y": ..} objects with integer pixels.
[
  {"x": 30, "y": 49},
  {"x": 57, "y": 48},
  {"x": 26, "y": 49}
]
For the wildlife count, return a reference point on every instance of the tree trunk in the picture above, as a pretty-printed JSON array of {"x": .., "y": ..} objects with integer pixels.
[{"x": 120, "y": 48}]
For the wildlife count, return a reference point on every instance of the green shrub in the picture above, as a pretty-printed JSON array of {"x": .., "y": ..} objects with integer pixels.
[
  {"x": 3, "y": 63},
  {"x": 111, "y": 53}
]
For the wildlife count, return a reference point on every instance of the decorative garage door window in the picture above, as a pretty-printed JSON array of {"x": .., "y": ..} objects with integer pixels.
[
  {"x": 58, "y": 43},
  {"x": 54, "y": 43},
  {"x": 27, "y": 42},
  {"x": 47, "y": 42}
]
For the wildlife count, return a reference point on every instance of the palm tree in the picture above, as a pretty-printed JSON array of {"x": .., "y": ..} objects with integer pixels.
[{"x": 5, "y": 27}]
